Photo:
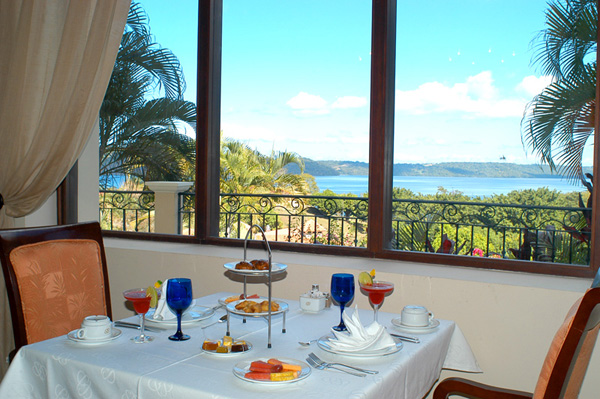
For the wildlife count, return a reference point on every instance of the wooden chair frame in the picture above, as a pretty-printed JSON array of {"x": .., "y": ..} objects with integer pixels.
[
  {"x": 13, "y": 238},
  {"x": 586, "y": 318}
]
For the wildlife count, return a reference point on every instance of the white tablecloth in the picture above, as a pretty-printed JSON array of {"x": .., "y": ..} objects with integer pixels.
[{"x": 60, "y": 368}]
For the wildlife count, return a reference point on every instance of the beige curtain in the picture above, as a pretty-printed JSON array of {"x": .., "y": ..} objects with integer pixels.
[{"x": 56, "y": 58}]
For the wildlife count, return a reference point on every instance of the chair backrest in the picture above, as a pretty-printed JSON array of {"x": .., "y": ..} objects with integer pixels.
[
  {"x": 570, "y": 352},
  {"x": 54, "y": 276}
]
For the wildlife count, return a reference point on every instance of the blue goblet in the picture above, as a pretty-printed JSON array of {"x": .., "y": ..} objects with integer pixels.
[
  {"x": 179, "y": 298},
  {"x": 342, "y": 290}
]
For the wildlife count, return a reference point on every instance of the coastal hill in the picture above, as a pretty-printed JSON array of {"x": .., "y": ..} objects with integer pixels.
[{"x": 457, "y": 169}]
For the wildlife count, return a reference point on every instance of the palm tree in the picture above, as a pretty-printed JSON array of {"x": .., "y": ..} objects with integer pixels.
[
  {"x": 139, "y": 138},
  {"x": 559, "y": 121},
  {"x": 247, "y": 171}
]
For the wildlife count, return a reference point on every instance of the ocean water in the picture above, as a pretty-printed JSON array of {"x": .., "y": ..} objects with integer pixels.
[{"x": 471, "y": 186}]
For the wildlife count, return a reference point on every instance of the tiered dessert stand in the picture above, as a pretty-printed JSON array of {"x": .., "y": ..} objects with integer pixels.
[{"x": 279, "y": 268}]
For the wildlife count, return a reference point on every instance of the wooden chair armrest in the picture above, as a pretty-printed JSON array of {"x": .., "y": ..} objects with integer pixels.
[{"x": 474, "y": 390}]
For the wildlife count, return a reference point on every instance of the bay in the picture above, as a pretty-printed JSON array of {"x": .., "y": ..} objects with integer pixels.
[{"x": 471, "y": 186}]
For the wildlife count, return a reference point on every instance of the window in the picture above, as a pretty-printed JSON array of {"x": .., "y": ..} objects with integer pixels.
[
  {"x": 231, "y": 99},
  {"x": 464, "y": 82}
]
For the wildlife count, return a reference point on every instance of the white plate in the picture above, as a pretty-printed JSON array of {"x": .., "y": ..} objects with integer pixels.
[
  {"x": 283, "y": 307},
  {"x": 222, "y": 300},
  {"x": 228, "y": 353},
  {"x": 240, "y": 370},
  {"x": 194, "y": 315},
  {"x": 116, "y": 333},
  {"x": 275, "y": 268},
  {"x": 323, "y": 343},
  {"x": 433, "y": 324}
]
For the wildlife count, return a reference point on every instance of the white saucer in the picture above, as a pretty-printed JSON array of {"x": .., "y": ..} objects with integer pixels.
[
  {"x": 433, "y": 324},
  {"x": 116, "y": 333}
]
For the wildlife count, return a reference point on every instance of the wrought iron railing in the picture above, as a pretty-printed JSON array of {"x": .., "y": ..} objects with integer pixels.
[
  {"x": 545, "y": 233},
  {"x": 127, "y": 210}
]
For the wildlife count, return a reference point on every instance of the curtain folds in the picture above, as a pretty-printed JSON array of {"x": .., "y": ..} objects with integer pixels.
[{"x": 56, "y": 58}]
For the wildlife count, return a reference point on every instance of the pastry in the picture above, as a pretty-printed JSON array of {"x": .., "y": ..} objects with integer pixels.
[
  {"x": 243, "y": 265},
  {"x": 260, "y": 264}
]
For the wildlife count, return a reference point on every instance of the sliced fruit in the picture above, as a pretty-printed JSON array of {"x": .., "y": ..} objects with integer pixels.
[
  {"x": 151, "y": 292},
  {"x": 372, "y": 274},
  {"x": 365, "y": 278},
  {"x": 158, "y": 284}
]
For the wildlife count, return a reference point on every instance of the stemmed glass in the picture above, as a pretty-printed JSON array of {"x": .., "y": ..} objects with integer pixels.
[
  {"x": 342, "y": 290},
  {"x": 179, "y": 298},
  {"x": 141, "y": 304},
  {"x": 376, "y": 292}
]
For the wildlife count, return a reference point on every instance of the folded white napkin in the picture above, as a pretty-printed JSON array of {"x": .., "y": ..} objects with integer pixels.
[
  {"x": 359, "y": 338},
  {"x": 163, "y": 311}
]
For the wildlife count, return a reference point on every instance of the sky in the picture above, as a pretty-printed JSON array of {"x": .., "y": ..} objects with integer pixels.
[{"x": 296, "y": 75}]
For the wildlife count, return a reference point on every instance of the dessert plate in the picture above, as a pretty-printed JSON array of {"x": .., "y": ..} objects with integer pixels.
[
  {"x": 240, "y": 370},
  {"x": 116, "y": 333},
  {"x": 323, "y": 343},
  {"x": 275, "y": 268},
  {"x": 283, "y": 307},
  {"x": 215, "y": 353},
  {"x": 433, "y": 324},
  {"x": 194, "y": 315},
  {"x": 223, "y": 301}
]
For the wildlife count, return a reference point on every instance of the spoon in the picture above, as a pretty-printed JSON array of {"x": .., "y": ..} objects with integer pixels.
[
  {"x": 222, "y": 319},
  {"x": 307, "y": 343}
]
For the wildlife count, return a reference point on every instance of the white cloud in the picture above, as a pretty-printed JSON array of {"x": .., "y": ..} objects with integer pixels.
[
  {"x": 476, "y": 96},
  {"x": 533, "y": 85},
  {"x": 305, "y": 103},
  {"x": 349, "y": 102}
]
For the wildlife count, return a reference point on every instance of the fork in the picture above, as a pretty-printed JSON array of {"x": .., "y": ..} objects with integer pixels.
[
  {"x": 321, "y": 366},
  {"x": 325, "y": 364}
]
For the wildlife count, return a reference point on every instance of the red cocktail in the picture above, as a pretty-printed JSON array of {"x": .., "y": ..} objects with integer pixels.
[
  {"x": 376, "y": 292},
  {"x": 141, "y": 304}
]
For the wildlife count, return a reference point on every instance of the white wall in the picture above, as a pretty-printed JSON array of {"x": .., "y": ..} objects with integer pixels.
[{"x": 508, "y": 318}]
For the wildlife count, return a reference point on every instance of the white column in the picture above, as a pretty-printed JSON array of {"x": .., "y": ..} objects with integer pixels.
[{"x": 166, "y": 210}]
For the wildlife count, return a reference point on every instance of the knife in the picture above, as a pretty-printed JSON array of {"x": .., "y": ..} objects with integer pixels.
[
  {"x": 406, "y": 338},
  {"x": 136, "y": 326}
]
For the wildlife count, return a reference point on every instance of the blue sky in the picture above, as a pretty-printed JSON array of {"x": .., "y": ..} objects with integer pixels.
[{"x": 296, "y": 75}]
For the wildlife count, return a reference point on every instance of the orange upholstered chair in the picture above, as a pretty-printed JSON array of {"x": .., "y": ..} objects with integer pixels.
[
  {"x": 565, "y": 365},
  {"x": 55, "y": 276}
]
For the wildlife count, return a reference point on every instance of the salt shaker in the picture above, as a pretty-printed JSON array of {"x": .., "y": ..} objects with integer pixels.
[{"x": 314, "y": 300}]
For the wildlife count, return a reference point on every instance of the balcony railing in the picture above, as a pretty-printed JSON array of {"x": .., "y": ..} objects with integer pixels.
[
  {"x": 544, "y": 233},
  {"x": 127, "y": 210}
]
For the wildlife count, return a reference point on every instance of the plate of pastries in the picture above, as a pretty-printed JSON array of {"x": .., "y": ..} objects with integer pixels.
[
  {"x": 255, "y": 267},
  {"x": 256, "y": 307}
]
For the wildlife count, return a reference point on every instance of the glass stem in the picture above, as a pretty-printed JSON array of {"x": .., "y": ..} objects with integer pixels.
[
  {"x": 342, "y": 305},
  {"x": 142, "y": 325},
  {"x": 179, "y": 314},
  {"x": 375, "y": 312}
]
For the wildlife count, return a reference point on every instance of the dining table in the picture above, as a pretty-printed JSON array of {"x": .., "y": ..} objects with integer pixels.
[{"x": 63, "y": 368}]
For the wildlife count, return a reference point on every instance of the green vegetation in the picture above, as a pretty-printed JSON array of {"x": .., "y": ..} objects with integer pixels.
[
  {"x": 560, "y": 120},
  {"x": 447, "y": 169},
  {"x": 138, "y": 137}
]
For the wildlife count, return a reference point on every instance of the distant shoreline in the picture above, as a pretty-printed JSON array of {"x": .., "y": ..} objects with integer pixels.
[{"x": 444, "y": 169}]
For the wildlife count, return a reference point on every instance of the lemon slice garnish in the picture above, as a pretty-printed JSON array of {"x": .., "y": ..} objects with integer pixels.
[
  {"x": 364, "y": 278},
  {"x": 151, "y": 292}
]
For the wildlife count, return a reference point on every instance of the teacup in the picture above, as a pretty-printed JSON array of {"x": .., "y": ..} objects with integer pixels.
[
  {"x": 95, "y": 327},
  {"x": 416, "y": 316}
]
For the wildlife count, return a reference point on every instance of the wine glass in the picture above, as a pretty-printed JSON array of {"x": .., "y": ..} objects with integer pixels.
[
  {"x": 376, "y": 292},
  {"x": 342, "y": 290},
  {"x": 141, "y": 304},
  {"x": 179, "y": 298}
]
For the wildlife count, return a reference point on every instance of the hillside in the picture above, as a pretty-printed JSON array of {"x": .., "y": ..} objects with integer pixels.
[{"x": 458, "y": 169}]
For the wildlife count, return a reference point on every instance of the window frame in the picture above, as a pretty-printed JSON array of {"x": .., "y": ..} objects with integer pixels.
[{"x": 381, "y": 142}]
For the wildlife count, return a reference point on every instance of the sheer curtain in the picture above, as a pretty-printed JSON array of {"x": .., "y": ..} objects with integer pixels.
[{"x": 56, "y": 58}]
